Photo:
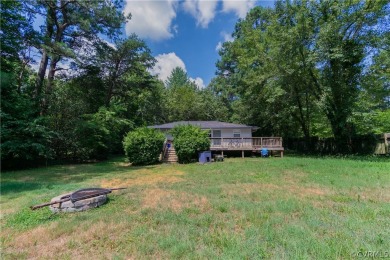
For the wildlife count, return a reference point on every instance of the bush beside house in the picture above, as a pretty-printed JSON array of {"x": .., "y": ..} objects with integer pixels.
[
  {"x": 189, "y": 140},
  {"x": 143, "y": 146}
]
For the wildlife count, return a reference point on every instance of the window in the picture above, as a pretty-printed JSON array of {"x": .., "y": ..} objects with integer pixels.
[
  {"x": 217, "y": 135},
  {"x": 236, "y": 133}
]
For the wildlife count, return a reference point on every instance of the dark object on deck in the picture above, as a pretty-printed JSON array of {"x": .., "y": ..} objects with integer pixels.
[
  {"x": 264, "y": 152},
  {"x": 205, "y": 157},
  {"x": 79, "y": 195}
]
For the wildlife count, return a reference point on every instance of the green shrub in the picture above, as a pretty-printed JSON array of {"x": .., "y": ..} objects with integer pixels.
[
  {"x": 189, "y": 141},
  {"x": 143, "y": 146},
  {"x": 92, "y": 138}
]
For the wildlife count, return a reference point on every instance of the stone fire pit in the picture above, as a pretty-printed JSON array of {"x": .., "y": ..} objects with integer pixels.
[{"x": 80, "y": 205}]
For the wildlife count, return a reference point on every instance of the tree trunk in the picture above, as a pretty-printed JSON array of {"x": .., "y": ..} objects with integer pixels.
[
  {"x": 45, "y": 56},
  {"x": 340, "y": 133},
  {"x": 41, "y": 73},
  {"x": 109, "y": 93},
  {"x": 49, "y": 87},
  {"x": 111, "y": 87},
  {"x": 21, "y": 74}
]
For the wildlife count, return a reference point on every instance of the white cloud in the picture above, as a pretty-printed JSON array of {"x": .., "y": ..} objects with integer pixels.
[
  {"x": 239, "y": 7},
  {"x": 199, "y": 82},
  {"x": 166, "y": 62},
  {"x": 112, "y": 45},
  {"x": 151, "y": 19},
  {"x": 226, "y": 38},
  {"x": 219, "y": 46},
  {"x": 202, "y": 11}
]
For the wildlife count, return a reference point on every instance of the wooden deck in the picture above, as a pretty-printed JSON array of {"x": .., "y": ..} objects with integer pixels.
[{"x": 247, "y": 144}]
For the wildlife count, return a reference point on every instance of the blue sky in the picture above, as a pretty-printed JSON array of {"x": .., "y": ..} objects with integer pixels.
[
  {"x": 182, "y": 33},
  {"x": 186, "y": 33}
]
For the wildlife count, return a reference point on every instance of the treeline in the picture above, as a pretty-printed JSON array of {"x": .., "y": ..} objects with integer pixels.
[
  {"x": 310, "y": 69},
  {"x": 86, "y": 93},
  {"x": 301, "y": 69}
]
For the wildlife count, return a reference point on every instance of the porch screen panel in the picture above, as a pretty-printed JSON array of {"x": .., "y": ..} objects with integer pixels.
[{"x": 217, "y": 134}]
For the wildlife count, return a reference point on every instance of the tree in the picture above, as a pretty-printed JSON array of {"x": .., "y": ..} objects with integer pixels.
[
  {"x": 185, "y": 101},
  {"x": 123, "y": 66},
  {"x": 16, "y": 40},
  {"x": 25, "y": 140},
  {"x": 371, "y": 112},
  {"x": 83, "y": 112},
  {"x": 67, "y": 24},
  {"x": 178, "y": 78},
  {"x": 325, "y": 45}
]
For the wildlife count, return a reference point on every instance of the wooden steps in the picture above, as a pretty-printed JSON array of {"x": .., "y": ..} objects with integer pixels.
[{"x": 170, "y": 156}]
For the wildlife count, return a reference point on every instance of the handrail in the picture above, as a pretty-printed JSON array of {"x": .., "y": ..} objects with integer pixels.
[
  {"x": 246, "y": 142},
  {"x": 164, "y": 151}
]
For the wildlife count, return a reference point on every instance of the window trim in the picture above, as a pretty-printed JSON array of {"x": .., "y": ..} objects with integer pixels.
[
  {"x": 216, "y": 130},
  {"x": 236, "y": 131}
]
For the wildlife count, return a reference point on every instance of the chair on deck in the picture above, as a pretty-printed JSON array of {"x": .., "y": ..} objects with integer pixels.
[{"x": 264, "y": 152}]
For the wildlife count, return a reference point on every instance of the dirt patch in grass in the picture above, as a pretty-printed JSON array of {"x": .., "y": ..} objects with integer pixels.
[
  {"x": 284, "y": 189},
  {"x": 99, "y": 239},
  {"x": 291, "y": 184},
  {"x": 145, "y": 177},
  {"x": 152, "y": 198},
  {"x": 123, "y": 164},
  {"x": 306, "y": 191},
  {"x": 176, "y": 201},
  {"x": 293, "y": 176},
  {"x": 26, "y": 178},
  {"x": 6, "y": 211},
  {"x": 29, "y": 239},
  {"x": 379, "y": 194},
  {"x": 247, "y": 188}
]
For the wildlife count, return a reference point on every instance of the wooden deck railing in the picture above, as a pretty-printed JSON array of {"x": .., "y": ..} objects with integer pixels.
[{"x": 246, "y": 143}]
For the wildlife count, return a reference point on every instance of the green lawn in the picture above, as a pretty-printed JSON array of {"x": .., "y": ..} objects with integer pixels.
[{"x": 290, "y": 208}]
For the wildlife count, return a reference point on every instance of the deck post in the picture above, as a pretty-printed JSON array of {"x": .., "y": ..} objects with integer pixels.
[
  {"x": 242, "y": 153},
  {"x": 222, "y": 153}
]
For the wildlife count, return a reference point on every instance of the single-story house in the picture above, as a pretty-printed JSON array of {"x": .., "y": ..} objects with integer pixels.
[
  {"x": 228, "y": 136},
  {"x": 217, "y": 129}
]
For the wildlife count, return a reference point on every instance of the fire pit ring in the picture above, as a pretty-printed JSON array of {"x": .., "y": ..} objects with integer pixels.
[
  {"x": 79, "y": 205},
  {"x": 78, "y": 201}
]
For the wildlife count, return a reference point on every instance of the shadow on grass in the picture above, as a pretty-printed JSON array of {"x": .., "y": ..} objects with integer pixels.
[
  {"x": 51, "y": 176},
  {"x": 353, "y": 157},
  {"x": 12, "y": 186}
]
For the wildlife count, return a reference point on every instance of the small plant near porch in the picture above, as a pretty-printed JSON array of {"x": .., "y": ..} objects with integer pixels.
[{"x": 188, "y": 141}]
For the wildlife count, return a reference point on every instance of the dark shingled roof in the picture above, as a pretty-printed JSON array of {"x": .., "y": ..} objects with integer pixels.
[{"x": 203, "y": 125}]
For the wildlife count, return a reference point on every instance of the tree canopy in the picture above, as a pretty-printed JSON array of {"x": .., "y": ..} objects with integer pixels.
[
  {"x": 300, "y": 69},
  {"x": 303, "y": 64}
]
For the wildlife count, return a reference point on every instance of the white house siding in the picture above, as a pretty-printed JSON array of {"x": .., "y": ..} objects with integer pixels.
[
  {"x": 168, "y": 136},
  {"x": 229, "y": 141},
  {"x": 228, "y": 133}
]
